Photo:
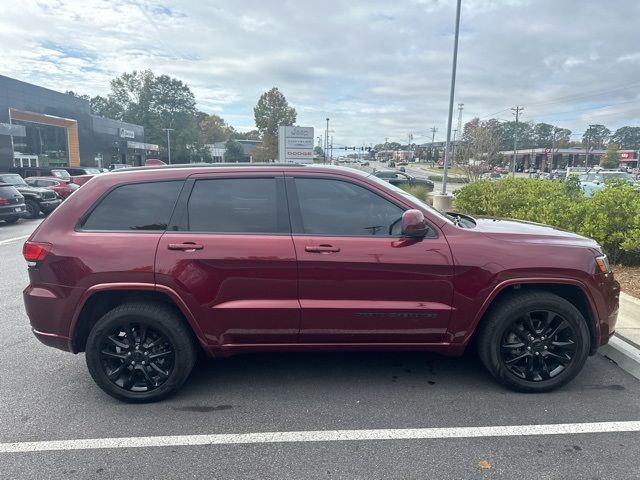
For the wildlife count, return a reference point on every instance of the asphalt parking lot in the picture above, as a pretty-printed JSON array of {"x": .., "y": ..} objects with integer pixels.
[{"x": 48, "y": 395}]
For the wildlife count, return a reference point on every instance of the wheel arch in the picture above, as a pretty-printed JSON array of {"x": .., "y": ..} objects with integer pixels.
[
  {"x": 99, "y": 299},
  {"x": 572, "y": 291}
]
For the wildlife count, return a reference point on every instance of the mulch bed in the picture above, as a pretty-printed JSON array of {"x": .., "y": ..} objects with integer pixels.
[{"x": 629, "y": 278}]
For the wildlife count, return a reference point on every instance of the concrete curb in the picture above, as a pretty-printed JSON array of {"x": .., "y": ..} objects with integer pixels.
[{"x": 624, "y": 354}]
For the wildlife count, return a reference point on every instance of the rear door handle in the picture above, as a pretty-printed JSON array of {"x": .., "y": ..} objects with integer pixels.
[
  {"x": 186, "y": 246},
  {"x": 321, "y": 249}
]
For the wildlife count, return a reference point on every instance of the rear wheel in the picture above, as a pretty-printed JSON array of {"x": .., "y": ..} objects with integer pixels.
[
  {"x": 140, "y": 352},
  {"x": 33, "y": 209},
  {"x": 534, "y": 341}
]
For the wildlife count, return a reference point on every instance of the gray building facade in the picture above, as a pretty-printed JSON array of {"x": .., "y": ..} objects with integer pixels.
[{"x": 43, "y": 127}]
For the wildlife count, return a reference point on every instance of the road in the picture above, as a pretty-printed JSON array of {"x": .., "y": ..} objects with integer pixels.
[{"x": 48, "y": 395}]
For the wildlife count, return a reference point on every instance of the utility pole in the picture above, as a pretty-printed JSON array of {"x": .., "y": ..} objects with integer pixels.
[
  {"x": 553, "y": 148},
  {"x": 326, "y": 141},
  {"x": 458, "y": 131},
  {"x": 517, "y": 109},
  {"x": 169, "y": 130},
  {"x": 447, "y": 203},
  {"x": 433, "y": 138},
  {"x": 331, "y": 156}
]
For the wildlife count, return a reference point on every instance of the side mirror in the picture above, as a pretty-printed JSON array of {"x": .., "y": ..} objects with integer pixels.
[{"x": 413, "y": 224}]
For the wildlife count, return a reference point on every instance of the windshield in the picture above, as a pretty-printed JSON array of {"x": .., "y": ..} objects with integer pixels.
[
  {"x": 63, "y": 174},
  {"x": 412, "y": 198},
  {"x": 617, "y": 175},
  {"x": 91, "y": 171},
  {"x": 13, "y": 179}
]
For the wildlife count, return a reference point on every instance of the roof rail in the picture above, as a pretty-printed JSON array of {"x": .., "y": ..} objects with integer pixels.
[{"x": 208, "y": 165}]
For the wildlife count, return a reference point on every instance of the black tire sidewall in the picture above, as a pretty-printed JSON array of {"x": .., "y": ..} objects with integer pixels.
[
  {"x": 184, "y": 354},
  {"x": 505, "y": 315},
  {"x": 33, "y": 209}
]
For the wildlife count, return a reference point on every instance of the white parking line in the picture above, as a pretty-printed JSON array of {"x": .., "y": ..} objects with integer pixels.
[
  {"x": 321, "y": 436},
  {"x": 14, "y": 239}
]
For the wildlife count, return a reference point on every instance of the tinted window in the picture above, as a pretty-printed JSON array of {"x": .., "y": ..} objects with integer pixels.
[
  {"x": 12, "y": 179},
  {"x": 236, "y": 205},
  {"x": 142, "y": 206},
  {"x": 8, "y": 192},
  {"x": 333, "y": 207}
]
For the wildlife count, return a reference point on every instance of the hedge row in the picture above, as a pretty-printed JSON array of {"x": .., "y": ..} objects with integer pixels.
[{"x": 611, "y": 216}]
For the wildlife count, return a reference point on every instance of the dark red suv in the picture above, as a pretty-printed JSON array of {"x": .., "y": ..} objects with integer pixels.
[{"x": 143, "y": 268}]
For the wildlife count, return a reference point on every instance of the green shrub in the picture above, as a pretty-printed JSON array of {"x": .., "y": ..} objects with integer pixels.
[
  {"x": 611, "y": 216},
  {"x": 418, "y": 191},
  {"x": 438, "y": 178}
]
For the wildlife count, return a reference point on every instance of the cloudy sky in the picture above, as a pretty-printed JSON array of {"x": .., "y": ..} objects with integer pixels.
[{"x": 377, "y": 68}]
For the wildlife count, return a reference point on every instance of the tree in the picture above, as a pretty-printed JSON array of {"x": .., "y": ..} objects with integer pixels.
[
  {"x": 542, "y": 135},
  {"x": 481, "y": 146},
  {"x": 233, "y": 152},
  {"x": 610, "y": 159},
  {"x": 505, "y": 132},
  {"x": 250, "y": 135},
  {"x": 318, "y": 152},
  {"x": 627, "y": 138},
  {"x": 77, "y": 95},
  {"x": 596, "y": 136},
  {"x": 272, "y": 111},
  {"x": 213, "y": 129}
]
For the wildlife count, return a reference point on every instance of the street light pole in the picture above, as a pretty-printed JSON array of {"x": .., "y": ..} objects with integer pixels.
[
  {"x": 326, "y": 140},
  {"x": 169, "y": 130},
  {"x": 451, "y": 96}
]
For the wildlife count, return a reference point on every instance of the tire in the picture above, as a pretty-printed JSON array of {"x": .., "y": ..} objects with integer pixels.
[
  {"x": 12, "y": 220},
  {"x": 160, "y": 339},
  {"x": 33, "y": 209},
  {"x": 533, "y": 341}
]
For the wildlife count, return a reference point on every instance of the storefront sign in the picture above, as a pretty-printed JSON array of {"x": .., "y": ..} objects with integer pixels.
[
  {"x": 295, "y": 144},
  {"x": 124, "y": 133}
]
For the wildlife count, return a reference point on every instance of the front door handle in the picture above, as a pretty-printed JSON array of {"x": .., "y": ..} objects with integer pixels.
[
  {"x": 186, "y": 246},
  {"x": 321, "y": 249}
]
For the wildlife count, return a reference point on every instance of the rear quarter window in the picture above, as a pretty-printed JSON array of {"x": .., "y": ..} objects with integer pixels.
[{"x": 141, "y": 206}]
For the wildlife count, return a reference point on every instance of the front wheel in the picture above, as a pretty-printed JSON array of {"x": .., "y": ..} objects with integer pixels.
[
  {"x": 140, "y": 352},
  {"x": 33, "y": 209},
  {"x": 534, "y": 341}
]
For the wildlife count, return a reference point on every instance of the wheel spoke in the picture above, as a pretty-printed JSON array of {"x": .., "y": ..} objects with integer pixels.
[
  {"x": 156, "y": 342},
  {"x": 147, "y": 378},
  {"x": 130, "y": 336},
  {"x": 568, "y": 345},
  {"x": 547, "y": 320},
  {"x": 544, "y": 369},
  {"x": 528, "y": 322},
  {"x": 530, "y": 368},
  {"x": 117, "y": 343},
  {"x": 143, "y": 333},
  {"x": 106, "y": 353},
  {"x": 561, "y": 326},
  {"x": 517, "y": 359},
  {"x": 512, "y": 346},
  {"x": 116, "y": 373},
  {"x": 129, "y": 382},
  {"x": 159, "y": 370},
  {"x": 160, "y": 355},
  {"x": 562, "y": 360}
]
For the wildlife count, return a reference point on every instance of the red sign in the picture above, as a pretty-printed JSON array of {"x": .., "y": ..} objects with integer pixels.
[{"x": 626, "y": 156}]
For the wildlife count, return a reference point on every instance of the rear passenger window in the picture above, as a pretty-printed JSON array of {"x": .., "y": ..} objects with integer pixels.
[
  {"x": 141, "y": 206},
  {"x": 236, "y": 205}
]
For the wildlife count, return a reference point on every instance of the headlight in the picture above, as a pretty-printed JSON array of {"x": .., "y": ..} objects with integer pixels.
[{"x": 603, "y": 264}]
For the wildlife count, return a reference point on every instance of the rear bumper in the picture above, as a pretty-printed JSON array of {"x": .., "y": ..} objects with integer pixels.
[
  {"x": 53, "y": 340},
  {"x": 46, "y": 308},
  {"x": 10, "y": 211}
]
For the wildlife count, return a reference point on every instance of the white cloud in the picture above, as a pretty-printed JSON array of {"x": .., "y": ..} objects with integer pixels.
[{"x": 376, "y": 68}]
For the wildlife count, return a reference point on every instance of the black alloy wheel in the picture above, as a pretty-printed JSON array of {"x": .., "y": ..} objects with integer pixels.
[
  {"x": 137, "y": 357},
  {"x": 141, "y": 351},
  {"x": 33, "y": 210},
  {"x": 538, "y": 346},
  {"x": 533, "y": 341}
]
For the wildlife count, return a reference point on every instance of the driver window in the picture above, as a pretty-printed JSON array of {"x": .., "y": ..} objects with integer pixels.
[{"x": 334, "y": 207}]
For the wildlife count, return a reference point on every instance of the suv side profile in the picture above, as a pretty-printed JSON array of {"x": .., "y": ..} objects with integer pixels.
[{"x": 151, "y": 265}]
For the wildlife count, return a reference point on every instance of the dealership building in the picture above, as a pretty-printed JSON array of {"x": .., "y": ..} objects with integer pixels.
[{"x": 41, "y": 127}]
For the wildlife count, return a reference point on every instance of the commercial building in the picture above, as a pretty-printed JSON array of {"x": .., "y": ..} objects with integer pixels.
[
  {"x": 218, "y": 150},
  {"x": 41, "y": 127},
  {"x": 543, "y": 158}
]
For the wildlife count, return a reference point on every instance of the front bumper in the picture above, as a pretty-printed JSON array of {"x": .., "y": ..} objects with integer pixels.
[{"x": 50, "y": 205}]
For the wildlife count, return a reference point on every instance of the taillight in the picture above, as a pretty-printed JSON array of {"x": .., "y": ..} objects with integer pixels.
[
  {"x": 35, "y": 251},
  {"x": 4, "y": 201}
]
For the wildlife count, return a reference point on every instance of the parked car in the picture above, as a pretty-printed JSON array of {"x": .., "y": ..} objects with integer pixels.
[
  {"x": 76, "y": 171},
  {"x": 36, "y": 199},
  {"x": 398, "y": 178},
  {"x": 401, "y": 169},
  {"x": 491, "y": 176},
  {"x": 593, "y": 182},
  {"x": 12, "y": 207},
  {"x": 63, "y": 189},
  {"x": 403, "y": 163},
  {"x": 57, "y": 172},
  {"x": 250, "y": 258},
  {"x": 364, "y": 163},
  {"x": 118, "y": 166}
]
